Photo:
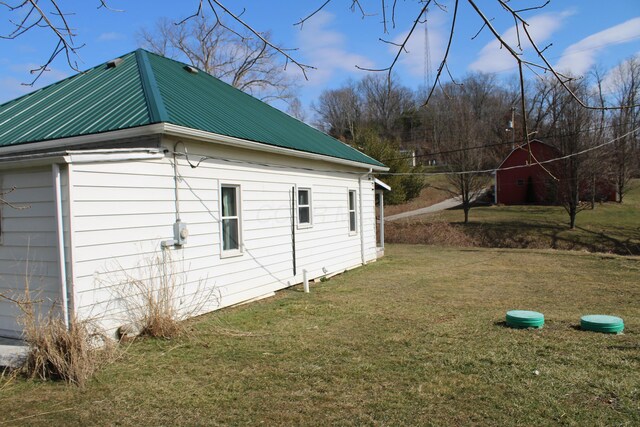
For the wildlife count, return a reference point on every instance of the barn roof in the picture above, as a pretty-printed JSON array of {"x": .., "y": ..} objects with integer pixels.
[
  {"x": 525, "y": 146},
  {"x": 142, "y": 88}
]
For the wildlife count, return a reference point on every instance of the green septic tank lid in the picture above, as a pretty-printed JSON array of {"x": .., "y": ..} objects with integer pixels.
[
  {"x": 525, "y": 319},
  {"x": 602, "y": 323}
]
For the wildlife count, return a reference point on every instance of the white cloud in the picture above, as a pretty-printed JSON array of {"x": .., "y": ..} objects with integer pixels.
[
  {"x": 579, "y": 57},
  {"x": 15, "y": 85},
  {"x": 111, "y": 36},
  {"x": 11, "y": 88},
  {"x": 611, "y": 80},
  {"x": 325, "y": 49},
  {"x": 541, "y": 27}
]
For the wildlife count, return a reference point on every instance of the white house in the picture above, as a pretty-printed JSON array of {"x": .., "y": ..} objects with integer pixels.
[{"x": 146, "y": 166}]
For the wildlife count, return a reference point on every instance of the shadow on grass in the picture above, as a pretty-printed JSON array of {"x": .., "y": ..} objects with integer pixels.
[
  {"x": 626, "y": 246},
  {"x": 501, "y": 323},
  {"x": 523, "y": 234},
  {"x": 624, "y": 347}
]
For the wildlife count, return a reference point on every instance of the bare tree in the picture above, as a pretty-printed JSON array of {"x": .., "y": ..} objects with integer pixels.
[
  {"x": 25, "y": 15},
  {"x": 340, "y": 111},
  {"x": 244, "y": 63},
  {"x": 296, "y": 110},
  {"x": 28, "y": 14},
  {"x": 384, "y": 100},
  {"x": 459, "y": 130},
  {"x": 626, "y": 150},
  {"x": 573, "y": 130}
]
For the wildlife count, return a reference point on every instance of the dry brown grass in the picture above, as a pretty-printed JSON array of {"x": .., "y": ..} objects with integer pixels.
[
  {"x": 155, "y": 314},
  {"x": 70, "y": 354},
  {"x": 57, "y": 351},
  {"x": 436, "y": 232},
  {"x": 152, "y": 294}
]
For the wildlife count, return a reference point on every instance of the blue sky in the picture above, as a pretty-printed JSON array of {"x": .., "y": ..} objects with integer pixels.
[{"x": 583, "y": 33}]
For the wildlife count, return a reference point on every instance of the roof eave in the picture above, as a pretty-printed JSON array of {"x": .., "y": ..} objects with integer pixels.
[
  {"x": 176, "y": 130},
  {"x": 55, "y": 144},
  {"x": 79, "y": 156},
  {"x": 180, "y": 131}
]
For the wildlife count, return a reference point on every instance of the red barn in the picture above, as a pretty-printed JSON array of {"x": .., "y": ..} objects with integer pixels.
[
  {"x": 533, "y": 184},
  {"x": 526, "y": 185}
]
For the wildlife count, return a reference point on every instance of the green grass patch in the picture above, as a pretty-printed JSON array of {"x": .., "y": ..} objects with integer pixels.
[
  {"x": 417, "y": 338},
  {"x": 609, "y": 227}
]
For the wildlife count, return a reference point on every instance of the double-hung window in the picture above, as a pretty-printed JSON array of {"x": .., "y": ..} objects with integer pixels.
[
  {"x": 304, "y": 207},
  {"x": 230, "y": 219},
  {"x": 352, "y": 212}
]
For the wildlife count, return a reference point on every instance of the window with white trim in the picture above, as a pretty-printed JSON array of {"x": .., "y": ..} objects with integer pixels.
[
  {"x": 352, "y": 211},
  {"x": 304, "y": 207},
  {"x": 230, "y": 219}
]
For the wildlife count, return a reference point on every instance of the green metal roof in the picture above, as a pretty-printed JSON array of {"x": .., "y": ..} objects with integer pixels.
[{"x": 146, "y": 88}]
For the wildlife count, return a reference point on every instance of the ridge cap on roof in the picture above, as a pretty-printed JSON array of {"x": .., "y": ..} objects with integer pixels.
[
  {"x": 153, "y": 97},
  {"x": 240, "y": 92}
]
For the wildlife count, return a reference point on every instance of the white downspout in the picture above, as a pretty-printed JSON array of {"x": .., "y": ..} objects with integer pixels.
[
  {"x": 64, "y": 293},
  {"x": 381, "y": 199},
  {"x": 362, "y": 257}
]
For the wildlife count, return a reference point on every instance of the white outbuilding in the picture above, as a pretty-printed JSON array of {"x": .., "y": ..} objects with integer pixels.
[{"x": 145, "y": 169}]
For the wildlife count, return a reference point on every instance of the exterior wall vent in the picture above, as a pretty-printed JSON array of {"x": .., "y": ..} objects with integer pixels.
[
  {"x": 114, "y": 63},
  {"x": 192, "y": 70}
]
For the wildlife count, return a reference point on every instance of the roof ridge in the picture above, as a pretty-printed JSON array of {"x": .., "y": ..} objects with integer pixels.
[
  {"x": 153, "y": 97},
  {"x": 242, "y": 93}
]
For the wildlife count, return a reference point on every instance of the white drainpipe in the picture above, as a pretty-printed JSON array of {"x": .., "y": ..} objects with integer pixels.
[
  {"x": 64, "y": 295},
  {"x": 305, "y": 281},
  {"x": 362, "y": 216}
]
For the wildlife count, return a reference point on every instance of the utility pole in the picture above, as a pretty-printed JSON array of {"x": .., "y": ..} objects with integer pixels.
[{"x": 512, "y": 128}]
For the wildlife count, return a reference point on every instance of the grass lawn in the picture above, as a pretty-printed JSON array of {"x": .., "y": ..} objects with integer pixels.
[
  {"x": 416, "y": 338},
  {"x": 610, "y": 227}
]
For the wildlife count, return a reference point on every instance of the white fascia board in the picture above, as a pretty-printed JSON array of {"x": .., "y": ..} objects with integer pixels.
[
  {"x": 146, "y": 130},
  {"x": 113, "y": 155},
  {"x": 175, "y": 130},
  {"x": 16, "y": 162},
  {"x": 181, "y": 131},
  {"x": 81, "y": 156},
  {"x": 382, "y": 184}
]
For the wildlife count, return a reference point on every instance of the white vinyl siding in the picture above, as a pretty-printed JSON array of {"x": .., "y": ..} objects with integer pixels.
[
  {"x": 121, "y": 211},
  {"x": 28, "y": 253}
]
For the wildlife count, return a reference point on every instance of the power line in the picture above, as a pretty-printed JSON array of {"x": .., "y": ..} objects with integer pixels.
[
  {"x": 497, "y": 144},
  {"x": 202, "y": 158},
  {"x": 485, "y": 171}
]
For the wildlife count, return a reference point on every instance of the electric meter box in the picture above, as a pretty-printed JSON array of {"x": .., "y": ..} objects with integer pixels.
[{"x": 180, "y": 233}]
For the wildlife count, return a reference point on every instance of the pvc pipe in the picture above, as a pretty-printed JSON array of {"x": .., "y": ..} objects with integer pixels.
[
  {"x": 64, "y": 293},
  {"x": 305, "y": 281}
]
